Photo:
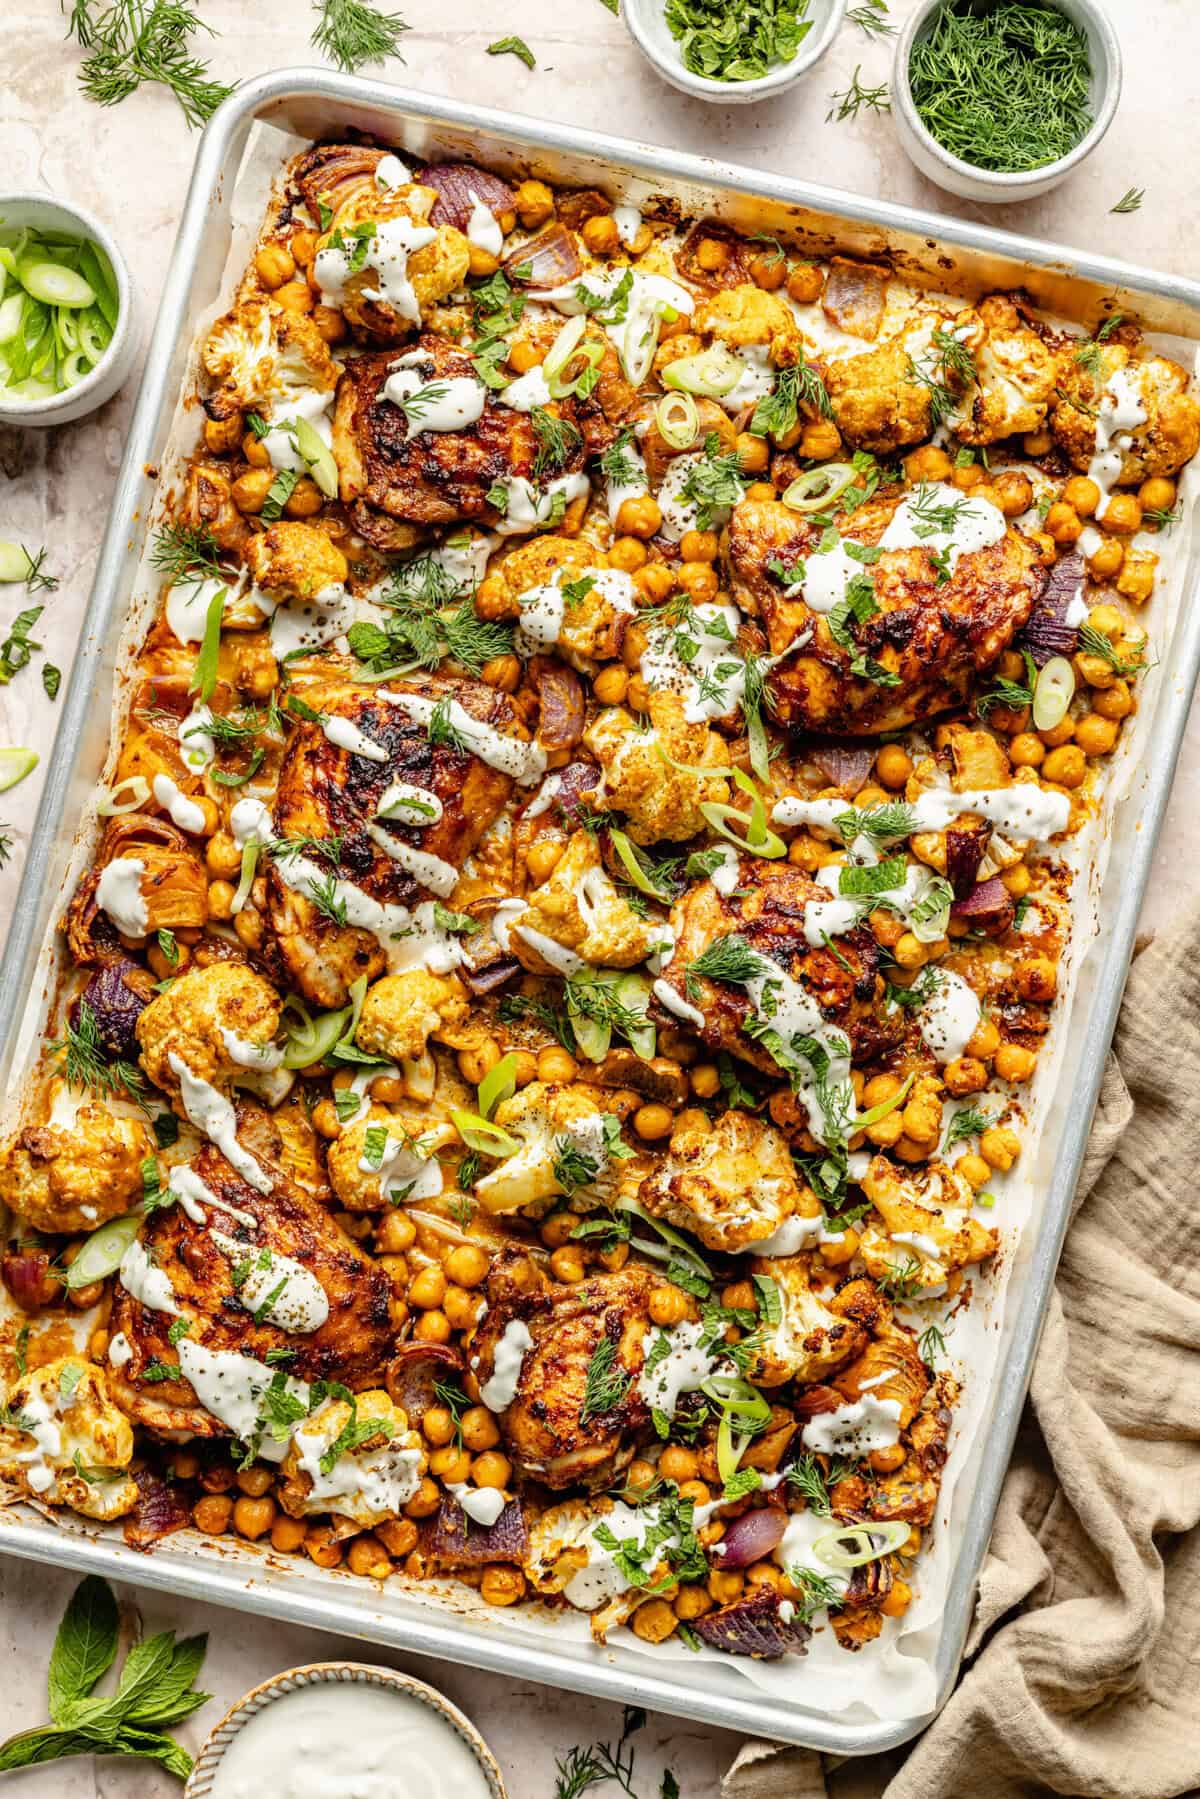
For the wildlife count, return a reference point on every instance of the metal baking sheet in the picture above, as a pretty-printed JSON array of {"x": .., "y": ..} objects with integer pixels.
[{"x": 925, "y": 250}]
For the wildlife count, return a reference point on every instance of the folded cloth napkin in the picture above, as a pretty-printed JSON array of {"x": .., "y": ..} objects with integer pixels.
[{"x": 1083, "y": 1665}]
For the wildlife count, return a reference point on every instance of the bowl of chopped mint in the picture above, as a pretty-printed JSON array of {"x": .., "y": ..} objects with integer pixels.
[
  {"x": 733, "y": 50},
  {"x": 1000, "y": 100}
]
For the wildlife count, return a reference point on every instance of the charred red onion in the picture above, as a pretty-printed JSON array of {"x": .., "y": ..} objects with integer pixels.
[
  {"x": 27, "y": 1275},
  {"x": 989, "y": 906},
  {"x": 412, "y": 1372},
  {"x": 560, "y": 699},
  {"x": 161, "y": 1508},
  {"x": 458, "y": 185},
  {"x": 1047, "y": 632},
  {"x": 755, "y": 1626},
  {"x": 843, "y": 767},
  {"x": 752, "y": 1537},
  {"x": 458, "y": 1541},
  {"x": 548, "y": 260}
]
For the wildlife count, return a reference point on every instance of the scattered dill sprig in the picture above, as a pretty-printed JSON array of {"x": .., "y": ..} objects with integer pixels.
[
  {"x": 1130, "y": 200},
  {"x": 133, "y": 41},
  {"x": 872, "y": 17},
  {"x": 180, "y": 550},
  {"x": 1005, "y": 87},
  {"x": 849, "y": 102},
  {"x": 352, "y": 32}
]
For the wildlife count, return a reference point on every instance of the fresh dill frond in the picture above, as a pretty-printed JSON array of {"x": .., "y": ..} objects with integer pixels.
[
  {"x": 352, "y": 32},
  {"x": 872, "y": 17},
  {"x": 86, "y": 1065},
  {"x": 848, "y": 102},
  {"x": 181, "y": 550},
  {"x": 606, "y": 1383},
  {"x": 727, "y": 959},
  {"x": 557, "y": 440},
  {"x": 134, "y": 41},
  {"x": 1130, "y": 201}
]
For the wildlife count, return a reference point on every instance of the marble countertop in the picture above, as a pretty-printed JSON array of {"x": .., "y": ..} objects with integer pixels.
[{"x": 130, "y": 164}]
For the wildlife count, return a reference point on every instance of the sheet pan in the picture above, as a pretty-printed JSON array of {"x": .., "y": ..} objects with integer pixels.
[{"x": 927, "y": 251}]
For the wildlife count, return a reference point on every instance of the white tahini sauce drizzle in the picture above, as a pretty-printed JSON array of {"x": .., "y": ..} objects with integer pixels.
[
  {"x": 1120, "y": 412},
  {"x": 119, "y": 893},
  {"x": 214, "y": 1116},
  {"x": 337, "y": 1739},
  {"x": 527, "y": 391},
  {"x": 1030, "y": 812},
  {"x": 262, "y": 1057},
  {"x": 230, "y": 1386},
  {"x": 628, "y": 221},
  {"x": 950, "y": 1016},
  {"x": 448, "y": 403},
  {"x": 787, "y": 1239},
  {"x": 617, "y": 492},
  {"x": 120, "y": 1351},
  {"x": 406, "y": 1172},
  {"x": 388, "y": 250},
  {"x": 390, "y": 172},
  {"x": 194, "y": 1193},
  {"x": 795, "y": 1547},
  {"x": 976, "y": 524},
  {"x": 854, "y": 1429},
  {"x": 181, "y": 810},
  {"x": 499, "y": 1390},
  {"x": 631, "y": 323},
  {"x": 525, "y": 762},
  {"x": 483, "y": 227},
  {"x": 343, "y": 734},
  {"x": 277, "y": 1287},
  {"x": 188, "y": 601},
  {"x": 666, "y": 996},
  {"x": 408, "y": 804},
  {"x": 684, "y": 1368},
  {"x": 197, "y": 747},
  {"x": 526, "y": 506},
  {"x": 481, "y": 1504},
  {"x": 149, "y": 1285},
  {"x": 712, "y": 680},
  {"x": 310, "y": 625}
]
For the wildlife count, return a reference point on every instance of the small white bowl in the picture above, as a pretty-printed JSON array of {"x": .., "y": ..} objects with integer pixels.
[
  {"x": 647, "y": 24},
  {"x": 200, "y": 1780},
  {"x": 47, "y": 214},
  {"x": 935, "y": 161}
]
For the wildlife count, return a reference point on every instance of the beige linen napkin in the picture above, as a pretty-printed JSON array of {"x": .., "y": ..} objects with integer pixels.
[{"x": 1083, "y": 1667}]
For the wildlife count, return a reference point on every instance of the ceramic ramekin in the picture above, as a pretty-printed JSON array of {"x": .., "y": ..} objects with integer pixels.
[
  {"x": 964, "y": 178},
  {"x": 200, "y": 1781},
  {"x": 648, "y": 27},
  {"x": 46, "y": 213}
]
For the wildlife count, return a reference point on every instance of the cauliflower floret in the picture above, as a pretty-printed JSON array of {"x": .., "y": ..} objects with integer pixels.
[
  {"x": 562, "y": 1544},
  {"x": 259, "y": 353},
  {"x": 219, "y": 1021},
  {"x": 56, "y": 1413},
  {"x": 562, "y": 1132},
  {"x": 581, "y": 908},
  {"x": 659, "y": 800},
  {"x": 809, "y": 1341},
  {"x": 877, "y": 404},
  {"x": 745, "y": 315},
  {"x": 1165, "y": 439},
  {"x": 61, "y": 1176},
  {"x": 331, "y": 1467},
  {"x": 435, "y": 270},
  {"x": 402, "y": 1011},
  {"x": 294, "y": 561},
  {"x": 591, "y": 625},
  {"x": 387, "y": 1158},
  {"x": 927, "y": 1231},
  {"x": 732, "y": 1183},
  {"x": 1017, "y": 374}
]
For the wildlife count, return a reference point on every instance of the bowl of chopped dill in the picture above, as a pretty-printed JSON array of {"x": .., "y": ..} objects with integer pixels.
[
  {"x": 733, "y": 51},
  {"x": 999, "y": 100}
]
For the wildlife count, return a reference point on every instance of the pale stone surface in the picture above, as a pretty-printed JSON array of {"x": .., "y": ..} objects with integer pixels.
[{"x": 130, "y": 164}]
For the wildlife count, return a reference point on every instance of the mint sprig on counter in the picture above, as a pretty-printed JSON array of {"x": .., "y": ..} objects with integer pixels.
[{"x": 155, "y": 1690}]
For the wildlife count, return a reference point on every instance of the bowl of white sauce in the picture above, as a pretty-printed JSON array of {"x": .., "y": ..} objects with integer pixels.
[{"x": 335, "y": 1729}]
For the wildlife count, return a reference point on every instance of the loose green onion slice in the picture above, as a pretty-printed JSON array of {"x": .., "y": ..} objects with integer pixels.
[
  {"x": 718, "y": 772},
  {"x": 313, "y": 1038},
  {"x": 497, "y": 1085},
  {"x": 818, "y": 487},
  {"x": 679, "y": 1245},
  {"x": 204, "y": 675},
  {"x": 15, "y": 764},
  {"x": 567, "y": 349},
  {"x": 110, "y": 805},
  {"x": 250, "y": 855},
  {"x": 741, "y": 1405},
  {"x": 101, "y": 1254},
  {"x": 713, "y": 373},
  {"x": 865, "y": 1120},
  {"x": 560, "y": 350},
  {"x": 870, "y": 1543},
  {"x": 54, "y": 285},
  {"x": 633, "y": 866},
  {"x": 1053, "y": 694},
  {"x": 59, "y": 319},
  {"x": 678, "y": 419},
  {"x": 481, "y": 1135},
  {"x": 15, "y": 563},
  {"x": 752, "y": 833},
  {"x": 318, "y": 456}
]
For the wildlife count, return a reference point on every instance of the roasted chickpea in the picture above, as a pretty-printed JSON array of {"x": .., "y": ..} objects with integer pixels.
[
  {"x": 481, "y": 262},
  {"x": 1014, "y": 492},
  {"x": 425, "y": 1501},
  {"x": 769, "y": 270},
  {"x": 1036, "y": 979},
  {"x": 654, "y": 583},
  {"x": 502, "y": 1585},
  {"x": 678, "y": 1464},
  {"x": 567, "y": 1265},
  {"x": 984, "y": 1040},
  {"x": 491, "y": 1469},
  {"x": 1123, "y": 514},
  {"x": 668, "y": 1305},
  {"x": 909, "y": 952},
  {"x": 897, "y": 1600},
  {"x": 1095, "y": 734},
  {"x": 753, "y": 453},
  {"x": 330, "y": 323},
  {"x": 1065, "y": 766},
  {"x": 1013, "y": 1063},
  {"x": 1062, "y": 523},
  {"x": 640, "y": 516},
  {"x": 321, "y": 1546},
  {"x": 819, "y": 440},
  {"x": 221, "y": 435},
  {"x": 1106, "y": 559},
  {"x": 428, "y": 1288},
  {"x": 893, "y": 765},
  {"x": 254, "y": 1482},
  {"x": 1136, "y": 579},
  {"x": 274, "y": 264},
  {"x": 699, "y": 546},
  {"x": 220, "y": 899},
  {"x": 1037, "y": 443},
  {"x": 479, "y": 1429},
  {"x": 368, "y": 1558},
  {"x": 467, "y": 1264},
  {"x": 212, "y": 1514},
  {"x": 692, "y": 1602},
  {"x": 928, "y": 464},
  {"x": 699, "y": 581},
  {"x": 1000, "y": 1148},
  {"x": 556, "y": 1066},
  {"x": 653, "y": 1122},
  {"x": 1059, "y": 733},
  {"x": 399, "y": 1536},
  {"x": 805, "y": 282},
  {"x": 474, "y": 1063},
  {"x": 525, "y": 1069},
  {"x": 844, "y": 1247},
  {"x": 712, "y": 253},
  {"x": 502, "y": 673},
  {"x": 295, "y": 296},
  {"x": 600, "y": 234},
  {"x": 974, "y": 1171},
  {"x": 395, "y": 1232},
  {"x": 739, "y": 1296},
  {"x": 637, "y": 694},
  {"x": 1026, "y": 751},
  {"x": 725, "y": 1588},
  {"x": 1115, "y": 702},
  {"x": 250, "y": 490},
  {"x": 450, "y": 1464},
  {"x": 535, "y": 204},
  {"x": 304, "y": 246},
  {"x": 654, "y": 1621},
  {"x": 1157, "y": 494},
  {"x": 253, "y": 1518},
  {"x": 287, "y": 1534},
  {"x": 1083, "y": 494},
  {"x": 965, "y": 1074},
  {"x": 438, "y": 1426},
  {"x": 628, "y": 554}
]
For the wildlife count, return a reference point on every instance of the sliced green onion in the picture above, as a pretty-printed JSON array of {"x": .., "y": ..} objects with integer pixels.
[
  {"x": 318, "y": 456},
  {"x": 818, "y": 487},
  {"x": 633, "y": 991},
  {"x": 94, "y": 266},
  {"x": 741, "y": 1405},
  {"x": 714, "y": 372},
  {"x": 561, "y": 348},
  {"x": 632, "y": 864},
  {"x": 636, "y": 358},
  {"x": 102, "y": 1252},
  {"x": 74, "y": 368},
  {"x": 871, "y": 1542},
  {"x": 55, "y": 285},
  {"x": 497, "y": 1085},
  {"x": 250, "y": 855},
  {"x": 566, "y": 349},
  {"x": 864, "y": 1120},
  {"x": 204, "y": 675},
  {"x": 481, "y": 1135},
  {"x": 110, "y": 806},
  {"x": 15, "y": 563},
  {"x": 679, "y": 1243},
  {"x": 1053, "y": 693},
  {"x": 678, "y": 419},
  {"x": 716, "y": 773},
  {"x": 753, "y": 833}
]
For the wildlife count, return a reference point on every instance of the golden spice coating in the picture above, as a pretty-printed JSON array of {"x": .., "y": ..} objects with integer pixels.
[
  {"x": 876, "y": 403},
  {"x": 259, "y": 354},
  {"x": 658, "y": 800},
  {"x": 1166, "y": 436},
  {"x": 593, "y": 622},
  {"x": 72, "y": 1177},
  {"x": 731, "y": 1182},
  {"x": 811, "y": 1340},
  {"x": 71, "y": 1419},
  {"x": 357, "y": 1177},
  {"x": 368, "y": 1483},
  {"x": 218, "y": 1021},
  {"x": 434, "y": 269},
  {"x": 746, "y": 316},
  {"x": 402, "y": 1011},
  {"x": 581, "y": 908},
  {"x": 1018, "y": 374},
  {"x": 926, "y": 1231},
  {"x": 294, "y": 561},
  {"x": 543, "y": 1118}
]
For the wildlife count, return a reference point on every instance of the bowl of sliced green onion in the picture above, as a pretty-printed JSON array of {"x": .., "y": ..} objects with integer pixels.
[
  {"x": 67, "y": 314},
  {"x": 999, "y": 100}
]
